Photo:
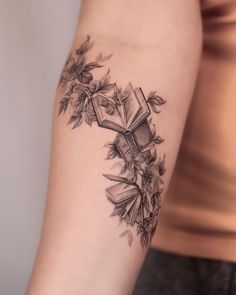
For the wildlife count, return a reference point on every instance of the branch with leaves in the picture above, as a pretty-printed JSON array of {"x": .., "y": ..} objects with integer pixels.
[{"x": 79, "y": 86}]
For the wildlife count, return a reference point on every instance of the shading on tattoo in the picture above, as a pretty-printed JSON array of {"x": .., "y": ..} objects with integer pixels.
[{"x": 136, "y": 191}]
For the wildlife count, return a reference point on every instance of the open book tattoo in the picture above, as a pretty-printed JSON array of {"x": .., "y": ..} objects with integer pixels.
[{"x": 136, "y": 191}]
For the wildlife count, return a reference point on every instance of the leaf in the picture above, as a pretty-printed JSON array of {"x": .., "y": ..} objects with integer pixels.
[
  {"x": 84, "y": 47},
  {"x": 153, "y": 230},
  {"x": 140, "y": 229},
  {"x": 105, "y": 79},
  {"x": 162, "y": 166},
  {"x": 153, "y": 107},
  {"x": 155, "y": 99},
  {"x": 71, "y": 89},
  {"x": 149, "y": 147},
  {"x": 113, "y": 151},
  {"x": 150, "y": 121},
  {"x": 129, "y": 235},
  {"x": 117, "y": 178},
  {"x": 93, "y": 86},
  {"x": 116, "y": 165},
  {"x": 68, "y": 93},
  {"x": 153, "y": 131},
  {"x": 146, "y": 222},
  {"x": 158, "y": 139},
  {"x": 71, "y": 120},
  {"x": 88, "y": 118},
  {"x": 63, "y": 105},
  {"x": 85, "y": 77},
  {"x": 117, "y": 211},
  {"x": 92, "y": 65},
  {"x": 98, "y": 57},
  {"x": 146, "y": 204},
  {"x": 124, "y": 169},
  {"x": 78, "y": 122},
  {"x": 89, "y": 114},
  {"x": 80, "y": 63},
  {"x": 79, "y": 105},
  {"x": 101, "y": 58},
  {"x": 154, "y": 155},
  {"x": 146, "y": 156},
  {"x": 79, "y": 88},
  {"x": 144, "y": 239},
  {"x": 107, "y": 88},
  {"x": 154, "y": 199}
]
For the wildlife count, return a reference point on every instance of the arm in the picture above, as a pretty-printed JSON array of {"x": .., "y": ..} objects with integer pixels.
[{"x": 155, "y": 47}]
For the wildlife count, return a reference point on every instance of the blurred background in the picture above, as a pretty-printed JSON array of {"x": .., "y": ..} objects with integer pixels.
[{"x": 35, "y": 37}]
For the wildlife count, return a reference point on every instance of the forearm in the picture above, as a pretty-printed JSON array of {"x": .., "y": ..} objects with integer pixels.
[{"x": 83, "y": 250}]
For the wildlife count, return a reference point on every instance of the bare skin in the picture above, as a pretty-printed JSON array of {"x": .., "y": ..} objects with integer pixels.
[{"x": 157, "y": 47}]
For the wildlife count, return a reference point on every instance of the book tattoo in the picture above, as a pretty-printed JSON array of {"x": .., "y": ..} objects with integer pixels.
[{"x": 136, "y": 191}]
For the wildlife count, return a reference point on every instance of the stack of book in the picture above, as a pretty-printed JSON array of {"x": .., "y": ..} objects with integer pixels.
[{"x": 127, "y": 115}]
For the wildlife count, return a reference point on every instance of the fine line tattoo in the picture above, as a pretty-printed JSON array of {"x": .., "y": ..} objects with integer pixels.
[{"x": 136, "y": 191}]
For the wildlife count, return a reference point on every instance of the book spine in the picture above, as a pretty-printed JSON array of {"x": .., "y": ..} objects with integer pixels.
[
  {"x": 123, "y": 147},
  {"x": 132, "y": 143}
]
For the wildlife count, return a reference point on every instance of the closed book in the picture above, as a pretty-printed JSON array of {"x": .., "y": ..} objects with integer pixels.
[
  {"x": 127, "y": 200},
  {"x": 132, "y": 212},
  {"x": 121, "y": 193},
  {"x": 130, "y": 144}
]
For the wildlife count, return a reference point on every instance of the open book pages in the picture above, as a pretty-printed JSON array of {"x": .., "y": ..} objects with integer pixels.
[
  {"x": 135, "y": 107},
  {"x": 124, "y": 113},
  {"x": 107, "y": 113}
]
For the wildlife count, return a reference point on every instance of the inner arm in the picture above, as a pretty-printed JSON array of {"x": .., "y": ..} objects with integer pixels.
[{"x": 108, "y": 179}]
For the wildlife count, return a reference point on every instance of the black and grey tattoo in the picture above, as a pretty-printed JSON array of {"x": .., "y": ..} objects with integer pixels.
[{"x": 136, "y": 192}]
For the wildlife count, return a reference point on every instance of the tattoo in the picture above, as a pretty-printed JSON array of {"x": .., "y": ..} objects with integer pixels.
[{"x": 136, "y": 191}]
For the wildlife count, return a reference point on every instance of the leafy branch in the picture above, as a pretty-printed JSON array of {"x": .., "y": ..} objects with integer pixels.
[
  {"x": 82, "y": 86},
  {"x": 155, "y": 101}
]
